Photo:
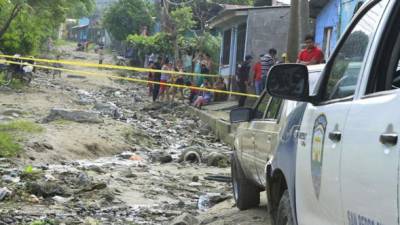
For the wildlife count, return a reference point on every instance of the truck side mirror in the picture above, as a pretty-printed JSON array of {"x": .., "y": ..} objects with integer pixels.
[{"x": 289, "y": 81}]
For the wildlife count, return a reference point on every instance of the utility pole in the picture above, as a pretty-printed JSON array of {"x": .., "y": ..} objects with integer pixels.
[
  {"x": 293, "y": 33},
  {"x": 304, "y": 21}
]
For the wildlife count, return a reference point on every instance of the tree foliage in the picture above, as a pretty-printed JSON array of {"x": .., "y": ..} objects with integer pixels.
[
  {"x": 161, "y": 43},
  {"x": 127, "y": 17},
  {"x": 26, "y": 24}
]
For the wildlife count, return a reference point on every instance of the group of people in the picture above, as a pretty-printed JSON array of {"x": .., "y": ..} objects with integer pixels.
[
  {"x": 310, "y": 55},
  {"x": 170, "y": 82}
]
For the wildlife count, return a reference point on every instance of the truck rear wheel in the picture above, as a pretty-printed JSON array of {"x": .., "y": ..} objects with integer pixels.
[
  {"x": 246, "y": 194},
  {"x": 284, "y": 215}
]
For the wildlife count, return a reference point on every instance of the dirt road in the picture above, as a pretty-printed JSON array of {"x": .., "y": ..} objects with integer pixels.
[{"x": 122, "y": 165}]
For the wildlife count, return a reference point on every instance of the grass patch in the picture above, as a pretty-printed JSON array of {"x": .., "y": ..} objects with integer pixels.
[
  {"x": 9, "y": 147},
  {"x": 15, "y": 83},
  {"x": 11, "y": 134},
  {"x": 21, "y": 126}
]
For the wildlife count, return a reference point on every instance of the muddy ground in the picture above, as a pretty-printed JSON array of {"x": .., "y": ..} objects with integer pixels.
[{"x": 129, "y": 161}]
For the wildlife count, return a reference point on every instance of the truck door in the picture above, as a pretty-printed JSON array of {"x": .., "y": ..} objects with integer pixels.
[
  {"x": 247, "y": 138},
  {"x": 265, "y": 133},
  {"x": 370, "y": 155},
  {"x": 318, "y": 184}
]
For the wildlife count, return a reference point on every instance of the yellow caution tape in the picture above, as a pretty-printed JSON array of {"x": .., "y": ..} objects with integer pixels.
[
  {"x": 86, "y": 73},
  {"x": 108, "y": 66}
]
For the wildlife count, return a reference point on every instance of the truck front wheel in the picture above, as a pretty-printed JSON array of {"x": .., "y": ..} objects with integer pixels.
[
  {"x": 284, "y": 214},
  {"x": 246, "y": 194}
]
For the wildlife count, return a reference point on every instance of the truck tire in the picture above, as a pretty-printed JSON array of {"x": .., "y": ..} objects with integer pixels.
[
  {"x": 246, "y": 194},
  {"x": 284, "y": 214}
]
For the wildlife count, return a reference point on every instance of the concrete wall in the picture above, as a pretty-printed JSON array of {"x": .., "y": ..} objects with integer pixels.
[
  {"x": 328, "y": 17},
  {"x": 267, "y": 28}
]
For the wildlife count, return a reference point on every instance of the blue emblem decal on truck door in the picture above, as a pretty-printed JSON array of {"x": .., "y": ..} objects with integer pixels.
[{"x": 317, "y": 152}]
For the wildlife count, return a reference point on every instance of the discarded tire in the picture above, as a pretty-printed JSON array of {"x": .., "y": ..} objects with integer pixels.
[{"x": 191, "y": 155}]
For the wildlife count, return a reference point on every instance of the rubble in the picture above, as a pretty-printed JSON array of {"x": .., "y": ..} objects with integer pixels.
[
  {"x": 73, "y": 115},
  {"x": 159, "y": 178}
]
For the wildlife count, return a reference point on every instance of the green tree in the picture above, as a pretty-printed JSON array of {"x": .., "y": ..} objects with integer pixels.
[
  {"x": 127, "y": 17},
  {"x": 25, "y": 24}
]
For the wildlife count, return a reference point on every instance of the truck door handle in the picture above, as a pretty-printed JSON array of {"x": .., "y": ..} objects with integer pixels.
[
  {"x": 389, "y": 139},
  {"x": 335, "y": 136}
]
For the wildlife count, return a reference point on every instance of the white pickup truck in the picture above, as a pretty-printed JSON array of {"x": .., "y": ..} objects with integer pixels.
[{"x": 337, "y": 161}]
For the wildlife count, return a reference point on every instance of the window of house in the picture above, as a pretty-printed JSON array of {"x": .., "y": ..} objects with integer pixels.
[
  {"x": 241, "y": 42},
  {"x": 327, "y": 41},
  {"x": 226, "y": 47}
]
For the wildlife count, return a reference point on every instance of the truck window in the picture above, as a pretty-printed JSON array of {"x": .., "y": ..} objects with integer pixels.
[
  {"x": 348, "y": 61},
  {"x": 261, "y": 107},
  {"x": 273, "y": 109}
]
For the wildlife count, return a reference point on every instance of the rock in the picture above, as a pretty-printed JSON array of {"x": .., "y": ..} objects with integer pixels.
[
  {"x": 125, "y": 155},
  {"x": 40, "y": 147},
  {"x": 76, "y": 76},
  {"x": 61, "y": 200},
  {"x": 12, "y": 112},
  {"x": 195, "y": 184},
  {"x": 218, "y": 160},
  {"x": 162, "y": 157},
  {"x": 109, "y": 109},
  {"x": 185, "y": 219},
  {"x": 128, "y": 173},
  {"x": 33, "y": 199},
  {"x": 92, "y": 187},
  {"x": 49, "y": 177},
  {"x": 73, "y": 115},
  {"x": 11, "y": 179},
  {"x": 195, "y": 178},
  {"x": 4, "y": 192},
  {"x": 45, "y": 189},
  {"x": 95, "y": 168}
]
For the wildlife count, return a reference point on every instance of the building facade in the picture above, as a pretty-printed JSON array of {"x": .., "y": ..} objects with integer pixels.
[
  {"x": 331, "y": 20},
  {"x": 250, "y": 31}
]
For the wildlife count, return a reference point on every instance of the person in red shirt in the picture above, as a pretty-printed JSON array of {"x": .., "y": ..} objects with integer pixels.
[
  {"x": 257, "y": 71},
  {"x": 311, "y": 54}
]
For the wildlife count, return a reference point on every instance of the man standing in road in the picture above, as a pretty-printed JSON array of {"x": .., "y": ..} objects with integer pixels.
[
  {"x": 311, "y": 55},
  {"x": 156, "y": 78},
  {"x": 243, "y": 78},
  {"x": 267, "y": 61}
]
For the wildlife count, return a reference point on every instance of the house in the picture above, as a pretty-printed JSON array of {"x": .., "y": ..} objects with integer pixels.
[
  {"x": 250, "y": 31},
  {"x": 331, "y": 19},
  {"x": 80, "y": 32}
]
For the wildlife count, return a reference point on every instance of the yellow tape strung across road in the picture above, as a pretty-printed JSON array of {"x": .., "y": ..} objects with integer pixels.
[
  {"x": 86, "y": 73},
  {"x": 108, "y": 66}
]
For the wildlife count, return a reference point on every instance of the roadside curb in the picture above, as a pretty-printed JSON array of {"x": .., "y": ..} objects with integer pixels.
[{"x": 222, "y": 129}]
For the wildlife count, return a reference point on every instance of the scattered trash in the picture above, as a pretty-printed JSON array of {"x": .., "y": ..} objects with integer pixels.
[
  {"x": 4, "y": 192},
  {"x": 135, "y": 158}
]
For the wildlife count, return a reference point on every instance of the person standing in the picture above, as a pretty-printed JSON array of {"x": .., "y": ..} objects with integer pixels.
[
  {"x": 243, "y": 78},
  {"x": 165, "y": 79},
  {"x": 101, "y": 55},
  {"x": 257, "y": 71},
  {"x": 156, "y": 78},
  {"x": 267, "y": 62},
  {"x": 311, "y": 55},
  {"x": 197, "y": 68}
]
